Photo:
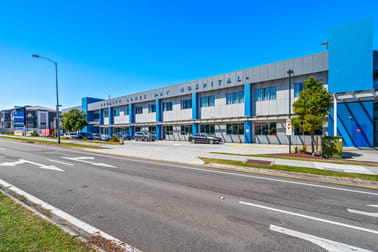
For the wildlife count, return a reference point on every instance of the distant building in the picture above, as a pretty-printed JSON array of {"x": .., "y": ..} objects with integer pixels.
[{"x": 33, "y": 118}]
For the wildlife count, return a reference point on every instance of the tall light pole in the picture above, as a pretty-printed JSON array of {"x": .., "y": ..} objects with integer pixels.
[
  {"x": 57, "y": 94},
  {"x": 290, "y": 72}
]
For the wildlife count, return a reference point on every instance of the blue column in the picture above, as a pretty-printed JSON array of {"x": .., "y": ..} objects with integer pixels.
[
  {"x": 247, "y": 113},
  {"x": 195, "y": 113},
  {"x": 84, "y": 108},
  {"x": 131, "y": 120},
  {"x": 158, "y": 119},
  {"x": 111, "y": 120},
  {"x": 101, "y": 119}
]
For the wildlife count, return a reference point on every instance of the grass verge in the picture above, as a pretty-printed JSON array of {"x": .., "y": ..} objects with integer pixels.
[
  {"x": 22, "y": 230},
  {"x": 296, "y": 158},
  {"x": 294, "y": 169},
  {"x": 54, "y": 143}
]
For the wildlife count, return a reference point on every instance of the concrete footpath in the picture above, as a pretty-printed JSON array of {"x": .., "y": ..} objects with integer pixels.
[{"x": 185, "y": 152}]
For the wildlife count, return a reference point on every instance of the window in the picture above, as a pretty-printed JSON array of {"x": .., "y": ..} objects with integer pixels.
[
  {"x": 169, "y": 130},
  {"x": 137, "y": 129},
  {"x": 167, "y": 106},
  {"x": 236, "y": 97},
  {"x": 126, "y": 112},
  {"x": 208, "y": 128},
  {"x": 116, "y": 112},
  {"x": 265, "y": 94},
  {"x": 186, "y": 129},
  {"x": 265, "y": 128},
  {"x": 139, "y": 110},
  {"x": 272, "y": 93},
  {"x": 298, "y": 87},
  {"x": 152, "y": 129},
  {"x": 258, "y": 95},
  {"x": 151, "y": 108},
  {"x": 235, "y": 129},
  {"x": 96, "y": 115},
  {"x": 106, "y": 113},
  {"x": 207, "y": 101},
  {"x": 186, "y": 104}
]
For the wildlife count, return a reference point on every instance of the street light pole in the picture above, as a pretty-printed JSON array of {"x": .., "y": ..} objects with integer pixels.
[
  {"x": 57, "y": 94},
  {"x": 290, "y": 72}
]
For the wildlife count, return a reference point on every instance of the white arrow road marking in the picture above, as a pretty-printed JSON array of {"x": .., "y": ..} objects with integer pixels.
[
  {"x": 311, "y": 217},
  {"x": 60, "y": 162},
  {"x": 328, "y": 245},
  {"x": 85, "y": 160},
  {"x": 363, "y": 212},
  {"x": 41, "y": 166}
]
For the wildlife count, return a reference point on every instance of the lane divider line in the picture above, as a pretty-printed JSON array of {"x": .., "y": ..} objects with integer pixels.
[
  {"x": 328, "y": 245},
  {"x": 69, "y": 218},
  {"x": 60, "y": 162},
  {"x": 311, "y": 217}
]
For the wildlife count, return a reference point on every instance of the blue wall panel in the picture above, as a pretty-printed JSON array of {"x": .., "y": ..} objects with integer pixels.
[
  {"x": 350, "y": 57},
  {"x": 195, "y": 128},
  {"x": 101, "y": 119},
  {"x": 158, "y": 119},
  {"x": 354, "y": 123},
  {"x": 195, "y": 114},
  {"x": 111, "y": 120},
  {"x": 248, "y": 131},
  {"x": 131, "y": 120},
  {"x": 84, "y": 107},
  {"x": 247, "y": 112}
]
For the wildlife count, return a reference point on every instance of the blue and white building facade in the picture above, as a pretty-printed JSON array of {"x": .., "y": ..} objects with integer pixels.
[{"x": 252, "y": 105}]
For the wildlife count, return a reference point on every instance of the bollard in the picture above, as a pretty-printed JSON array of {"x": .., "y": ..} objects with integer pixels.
[{"x": 317, "y": 143}]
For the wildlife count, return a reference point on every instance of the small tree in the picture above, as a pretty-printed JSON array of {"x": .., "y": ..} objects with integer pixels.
[
  {"x": 74, "y": 120},
  {"x": 312, "y": 108}
]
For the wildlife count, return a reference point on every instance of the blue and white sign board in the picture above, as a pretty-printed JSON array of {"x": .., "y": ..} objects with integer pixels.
[{"x": 18, "y": 119}]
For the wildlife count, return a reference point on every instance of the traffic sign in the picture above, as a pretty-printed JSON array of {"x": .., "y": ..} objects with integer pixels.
[{"x": 289, "y": 128}]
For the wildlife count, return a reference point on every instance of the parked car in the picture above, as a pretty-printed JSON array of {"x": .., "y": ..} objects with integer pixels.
[
  {"x": 97, "y": 136},
  {"x": 125, "y": 136},
  {"x": 71, "y": 135},
  {"x": 87, "y": 135},
  {"x": 203, "y": 138},
  {"x": 105, "y": 137},
  {"x": 144, "y": 136}
]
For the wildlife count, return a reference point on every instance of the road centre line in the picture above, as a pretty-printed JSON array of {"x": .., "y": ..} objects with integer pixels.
[
  {"x": 162, "y": 163},
  {"x": 329, "y": 245},
  {"x": 59, "y": 162},
  {"x": 65, "y": 216},
  {"x": 310, "y": 217}
]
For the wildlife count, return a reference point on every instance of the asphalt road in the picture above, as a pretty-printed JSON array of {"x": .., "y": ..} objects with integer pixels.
[{"x": 157, "y": 206}]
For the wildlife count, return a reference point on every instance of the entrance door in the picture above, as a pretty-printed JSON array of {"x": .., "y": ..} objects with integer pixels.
[{"x": 359, "y": 133}]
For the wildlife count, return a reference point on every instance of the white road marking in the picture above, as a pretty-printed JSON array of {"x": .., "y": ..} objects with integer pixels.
[
  {"x": 311, "y": 217},
  {"x": 71, "y": 219},
  {"x": 85, "y": 160},
  {"x": 363, "y": 212},
  {"x": 60, "y": 162},
  {"x": 328, "y": 245},
  {"x": 1, "y": 148},
  {"x": 201, "y": 169},
  {"x": 41, "y": 166}
]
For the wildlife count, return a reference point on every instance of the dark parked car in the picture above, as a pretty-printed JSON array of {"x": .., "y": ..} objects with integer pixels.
[
  {"x": 144, "y": 136},
  {"x": 87, "y": 135},
  {"x": 125, "y": 136},
  {"x": 203, "y": 138}
]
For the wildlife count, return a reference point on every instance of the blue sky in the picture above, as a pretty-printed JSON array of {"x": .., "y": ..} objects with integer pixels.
[{"x": 119, "y": 47}]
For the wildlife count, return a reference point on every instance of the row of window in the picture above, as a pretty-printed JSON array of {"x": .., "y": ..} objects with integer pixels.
[
  {"x": 264, "y": 94},
  {"x": 263, "y": 128}
]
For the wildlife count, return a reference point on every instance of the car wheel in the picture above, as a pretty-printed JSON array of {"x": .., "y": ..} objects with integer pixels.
[{"x": 211, "y": 141}]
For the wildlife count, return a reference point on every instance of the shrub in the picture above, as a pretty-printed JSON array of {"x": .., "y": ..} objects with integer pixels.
[
  {"x": 34, "y": 134},
  {"x": 296, "y": 149}
]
